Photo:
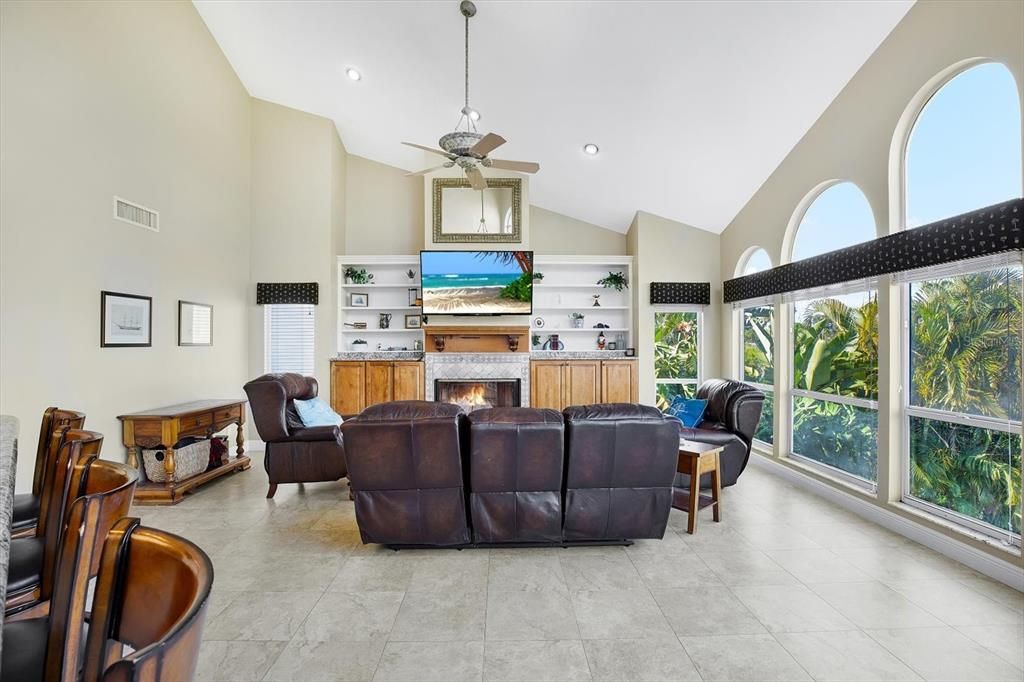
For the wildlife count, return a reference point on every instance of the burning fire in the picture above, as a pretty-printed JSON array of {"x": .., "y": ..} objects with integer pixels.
[{"x": 472, "y": 398}]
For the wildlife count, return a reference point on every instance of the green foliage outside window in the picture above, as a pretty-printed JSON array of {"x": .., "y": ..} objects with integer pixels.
[
  {"x": 966, "y": 357},
  {"x": 675, "y": 355}
]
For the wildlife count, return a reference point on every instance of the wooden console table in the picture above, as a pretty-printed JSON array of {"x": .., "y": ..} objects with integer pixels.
[{"x": 164, "y": 426}]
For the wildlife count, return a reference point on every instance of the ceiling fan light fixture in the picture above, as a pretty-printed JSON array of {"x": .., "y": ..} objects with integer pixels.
[
  {"x": 591, "y": 149},
  {"x": 353, "y": 74}
]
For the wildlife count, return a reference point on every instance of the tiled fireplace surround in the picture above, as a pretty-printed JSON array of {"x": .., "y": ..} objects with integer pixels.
[{"x": 478, "y": 367}]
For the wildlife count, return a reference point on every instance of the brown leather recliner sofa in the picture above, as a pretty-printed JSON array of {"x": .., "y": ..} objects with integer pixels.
[
  {"x": 426, "y": 474},
  {"x": 730, "y": 420},
  {"x": 294, "y": 453}
]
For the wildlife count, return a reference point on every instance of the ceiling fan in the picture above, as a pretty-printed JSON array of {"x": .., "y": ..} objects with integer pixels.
[{"x": 465, "y": 147}]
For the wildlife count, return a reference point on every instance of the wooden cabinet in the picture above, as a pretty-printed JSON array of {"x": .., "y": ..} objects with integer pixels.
[
  {"x": 582, "y": 382},
  {"x": 557, "y": 384},
  {"x": 407, "y": 381},
  {"x": 355, "y": 385},
  {"x": 547, "y": 384},
  {"x": 619, "y": 381}
]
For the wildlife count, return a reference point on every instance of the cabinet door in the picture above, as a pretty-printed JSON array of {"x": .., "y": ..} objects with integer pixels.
[
  {"x": 348, "y": 387},
  {"x": 546, "y": 384},
  {"x": 583, "y": 382},
  {"x": 619, "y": 381},
  {"x": 379, "y": 382},
  {"x": 408, "y": 381}
]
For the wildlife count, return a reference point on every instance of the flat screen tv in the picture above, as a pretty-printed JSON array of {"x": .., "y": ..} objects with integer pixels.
[{"x": 477, "y": 282}]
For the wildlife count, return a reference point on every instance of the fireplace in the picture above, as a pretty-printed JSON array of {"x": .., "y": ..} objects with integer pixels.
[{"x": 476, "y": 394}]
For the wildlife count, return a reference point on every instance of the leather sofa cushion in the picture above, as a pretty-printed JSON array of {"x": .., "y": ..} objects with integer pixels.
[
  {"x": 317, "y": 433},
  {"x": 403, "y": 410},
  {"x": 25, "y": 512},
  {"x": 26, "y": 565}
]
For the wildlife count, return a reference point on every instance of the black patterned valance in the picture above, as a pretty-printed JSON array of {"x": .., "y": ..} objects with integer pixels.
[
  {"x": 681, "y": 293},
  {"x": 990, "y": 230},
  {"x": 287, "y": 292}
]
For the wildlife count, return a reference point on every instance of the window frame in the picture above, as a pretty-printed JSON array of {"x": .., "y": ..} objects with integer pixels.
[
  {"x": 740, "y": 350},
  {"x": 908, "y": 411},
  {"x": 672, "y": 308},
  {"x": 268, "y": 337},
  {"x": 793, "y": 392}
]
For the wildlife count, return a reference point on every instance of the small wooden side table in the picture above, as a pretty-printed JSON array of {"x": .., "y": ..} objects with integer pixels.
[{"x": 696, "y": 459}]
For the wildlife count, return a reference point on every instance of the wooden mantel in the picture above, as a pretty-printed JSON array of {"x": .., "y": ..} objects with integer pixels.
[{"x": 477, "y": 339}]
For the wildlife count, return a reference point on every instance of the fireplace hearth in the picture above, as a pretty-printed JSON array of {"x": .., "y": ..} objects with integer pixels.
[{"x": 477, "y": 394}]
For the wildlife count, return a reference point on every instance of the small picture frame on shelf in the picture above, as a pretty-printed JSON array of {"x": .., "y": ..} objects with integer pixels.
[
  {"x": 412, "y": 321},
  {"x": 359, "y": 300},
  {"x": 414, "y": 297}
]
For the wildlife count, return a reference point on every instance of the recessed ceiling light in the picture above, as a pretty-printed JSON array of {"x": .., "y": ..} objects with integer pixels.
[
  {"x": 591, "y": 148},
  {"x": 353, "y": 75}
]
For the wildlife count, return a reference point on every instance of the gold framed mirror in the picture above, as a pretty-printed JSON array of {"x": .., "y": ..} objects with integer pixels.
[{"x": 463, "y": 215}]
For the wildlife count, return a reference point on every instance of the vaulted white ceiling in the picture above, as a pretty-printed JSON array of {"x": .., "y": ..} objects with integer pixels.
[{"x": 693, "y": 104}]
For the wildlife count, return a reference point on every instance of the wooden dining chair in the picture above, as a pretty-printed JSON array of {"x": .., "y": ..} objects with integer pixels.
[
  {"x": 151, "y": 595},
  {"x": 33, "y": 560},
  {"x": 25, "y": 513},
  {"x": 51, "y": 646}
]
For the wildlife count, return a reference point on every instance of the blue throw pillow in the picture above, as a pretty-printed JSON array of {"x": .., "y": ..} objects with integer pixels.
[
  {"x": 688, "y": 411},
  {"x": 316, "y": 412}
]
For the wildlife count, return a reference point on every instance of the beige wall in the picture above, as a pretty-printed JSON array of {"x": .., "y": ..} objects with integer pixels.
[
  {"x": 298, "y": 170},
  {"x": 667, "y": 251},
  {"x": 94, "y": 103},
  {"x": 854, "y": 140},
  {"x": 554, "y": 234},
  {"x": 384, "y": 209}
]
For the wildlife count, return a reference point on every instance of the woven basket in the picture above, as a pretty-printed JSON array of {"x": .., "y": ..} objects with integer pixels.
[{"x": 188, "y": 461}]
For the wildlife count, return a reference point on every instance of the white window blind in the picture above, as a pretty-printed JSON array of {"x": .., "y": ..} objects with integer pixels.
[
  {"x": 288, "y": 331},
  {"x": 996, "y": 261}
]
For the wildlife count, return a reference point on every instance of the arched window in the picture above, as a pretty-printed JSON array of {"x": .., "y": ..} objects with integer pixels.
[
  {"x": 757, "y": 346},
  {"x": 964, "y": 150},
  {"x": 839, "y": 217},
  {"x": 963, "y": 406},
  {"x": 835, "y": 346}
]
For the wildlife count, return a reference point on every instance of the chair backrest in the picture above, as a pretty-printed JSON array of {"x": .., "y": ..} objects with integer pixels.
[
  {"x": 106, "y": 492},
  {"x": 76, "y": 449},
  {"x": 733, "y": 403},
  {"x": 620, "y": 463},
  {"x": 54, "y": 419},
  {"x": 270, "y": 399},
  {"x": 151, "y": 594},
  {"x": 405, "y": 469}
]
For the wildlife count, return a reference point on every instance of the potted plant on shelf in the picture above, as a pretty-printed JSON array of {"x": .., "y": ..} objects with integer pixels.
[
  {"x": 538, "y": 277},
  {"x": 359, "y": 345},
  {"x": 361, "y": 276},
  {"x": 577, "y": 320},
  {"x": 614, "y": 280},
  {"x": 411, "y": 274}
]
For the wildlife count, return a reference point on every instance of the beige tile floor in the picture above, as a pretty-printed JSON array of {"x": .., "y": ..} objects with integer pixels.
[{"x": 787, "y": 587}]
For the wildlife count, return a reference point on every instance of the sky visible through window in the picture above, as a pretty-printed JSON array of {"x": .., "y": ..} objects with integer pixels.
[
  {"x": 965, "y": 150},
  {"x": 759, "y": 260},
  {"x": 839, "y": 217}
]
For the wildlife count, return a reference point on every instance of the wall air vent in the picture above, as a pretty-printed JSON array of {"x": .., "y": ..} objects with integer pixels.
[{"x": 137, "y": 215}]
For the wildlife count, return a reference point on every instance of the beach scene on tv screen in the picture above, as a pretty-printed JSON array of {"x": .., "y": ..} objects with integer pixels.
[{"x": 477, "y": 282}]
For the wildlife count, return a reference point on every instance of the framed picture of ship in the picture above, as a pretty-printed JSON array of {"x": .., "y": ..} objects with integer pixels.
[{"x": 126, "y": 320}]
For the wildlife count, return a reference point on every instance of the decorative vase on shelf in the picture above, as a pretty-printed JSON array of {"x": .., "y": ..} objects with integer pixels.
[
  {"x": 577, "y": 320},
  {"x": 360, "y": 346}
]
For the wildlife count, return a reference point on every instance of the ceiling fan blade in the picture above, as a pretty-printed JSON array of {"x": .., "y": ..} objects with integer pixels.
[
  {"x": 428, "y": 149},
  {"x": 427, "y": 170},
  {"x": 521, "y": 166},
  {"x": 487, "y": 144},
  {"x": 476, "y": 178}
]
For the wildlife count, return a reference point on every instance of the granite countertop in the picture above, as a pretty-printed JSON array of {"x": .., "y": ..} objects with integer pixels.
[
  {"x": 534, "y": 355},
  {"x": 578, "y": 354},
  {"x": 380, "y": 355},
  {"x": 8, "y": 471}
]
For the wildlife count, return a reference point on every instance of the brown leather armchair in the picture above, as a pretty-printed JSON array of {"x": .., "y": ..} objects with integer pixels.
[
  {"x": 730, "y": 420},
  {"x": 294, "y": 453},
  {"x": 620, "y": 463}
]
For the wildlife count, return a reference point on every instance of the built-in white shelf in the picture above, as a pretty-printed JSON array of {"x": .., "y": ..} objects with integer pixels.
[
  {"x": 407, "y": 285},
  {"x": 562, "y": 330},
  {"x": 349, "y": 330},
  {"x": 576, "y": 307},
  {"x": 379, "y": 307}
]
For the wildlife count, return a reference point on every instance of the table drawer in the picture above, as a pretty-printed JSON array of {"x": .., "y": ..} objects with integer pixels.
[
  {"x": 226, "y": 413},
  {"x": 195, "y": 421}
]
